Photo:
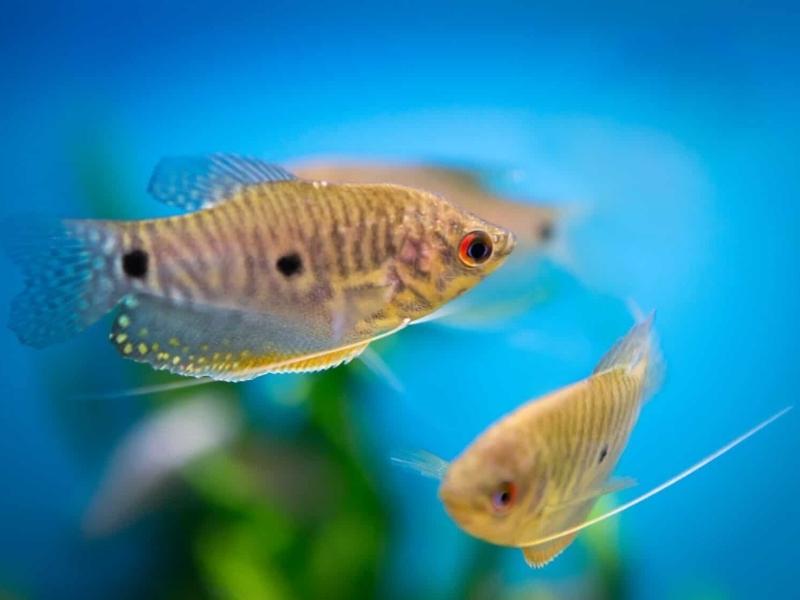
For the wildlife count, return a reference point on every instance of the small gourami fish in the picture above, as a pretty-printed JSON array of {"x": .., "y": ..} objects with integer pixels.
[
  {"x": 533, "y": 224},
  {"x": 269, "y": 273},
  {"x": 532, "y": 478}
]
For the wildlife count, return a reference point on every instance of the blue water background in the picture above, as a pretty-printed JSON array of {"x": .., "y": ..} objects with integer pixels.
[{"x": 676, "y": 123}]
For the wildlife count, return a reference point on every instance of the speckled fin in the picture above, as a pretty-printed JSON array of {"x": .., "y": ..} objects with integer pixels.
[
  {"x": 69, "y": 277},
  {"x": 540, "y": 555},
  {"x": 195, "y": 182},
  {"x": 206, "y": 341},
  {"x": 228, "y": 344}
]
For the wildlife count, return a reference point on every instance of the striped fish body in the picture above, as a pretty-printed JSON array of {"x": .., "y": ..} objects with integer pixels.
[
  {"x": 552, "y": 457},
  {"x": 580, "y": 434},
  {"x": 270, "y": 275},
  {"x": 336, "y": 242},
  {"x": 533, "y": 223}
]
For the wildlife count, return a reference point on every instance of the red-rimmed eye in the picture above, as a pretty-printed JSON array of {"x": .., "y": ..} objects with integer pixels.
[
  {"x": 504, "y": 496},
  {"x": 475, "y": 248}
]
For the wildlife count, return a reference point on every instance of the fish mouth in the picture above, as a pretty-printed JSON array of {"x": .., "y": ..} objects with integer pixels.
[
  {"x": 459, "y": 509},
  {"x": 505, "y": 244}
]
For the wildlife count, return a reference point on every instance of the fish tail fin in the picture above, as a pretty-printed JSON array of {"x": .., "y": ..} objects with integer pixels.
[
  {"x": 69, "y": 276},
  {"x": 638, "y": 352}
]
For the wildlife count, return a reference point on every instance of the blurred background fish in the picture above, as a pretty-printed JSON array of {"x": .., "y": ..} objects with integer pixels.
[
  {"x": 541, "y": 230},
  {"x": 533, "y": 223}
]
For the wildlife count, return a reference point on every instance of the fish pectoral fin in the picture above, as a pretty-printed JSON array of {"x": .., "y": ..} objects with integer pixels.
[
  {"x": 195, "y": 182},
  {"x": 541, "y": 554},
  {"x": 617, "y": 484},
  {"x": 378, "y": 367},
  {"x": 357, "y": 304}
]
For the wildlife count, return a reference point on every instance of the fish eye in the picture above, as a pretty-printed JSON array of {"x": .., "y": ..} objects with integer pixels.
[
  {"x": 504, "y": 496},
  {"x": 475, "y": 248}
]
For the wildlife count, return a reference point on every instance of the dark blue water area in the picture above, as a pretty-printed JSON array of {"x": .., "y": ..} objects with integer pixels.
[{"x": 673, "y": 127}]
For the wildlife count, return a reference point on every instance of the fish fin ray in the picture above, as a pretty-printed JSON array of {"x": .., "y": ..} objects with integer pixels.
[
  {"x": 375, "y": 363},
  {"x": 145, "y": 390},
  {"x": 422, "y": 462},
  {"x": 69, "y": 277},
  {"x": 540, "y": 555},
  {"x": 313, "y": 364},
  {"x": 571, "y": 531},
  {"x": 196, "y": 182},
  {"x": 639, "y": 348}
]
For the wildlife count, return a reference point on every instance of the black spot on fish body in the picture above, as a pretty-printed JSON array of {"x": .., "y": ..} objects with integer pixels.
[
  {"x": 603, "y": 454},
  {"x": 290, "y": 264},
  {"x": 135, "y": 263},
  {"x": 546, "y": 232}
]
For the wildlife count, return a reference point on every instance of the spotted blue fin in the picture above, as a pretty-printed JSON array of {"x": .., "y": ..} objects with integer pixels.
[
  {"x": 195, "y": 182},
  {"x": 229, "y": 344},
  {"x": 205, "y": 341},
  {"x": 69, "y": 276}
]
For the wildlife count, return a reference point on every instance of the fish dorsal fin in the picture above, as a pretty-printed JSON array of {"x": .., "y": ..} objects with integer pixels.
[
  {"x": 570, "y": 532},
  {"x": 540, "y": 555},
  {"x": 195, "y": 182},
  {"x": 629, "y": 350},
  {"x": 639, "y": 349}
]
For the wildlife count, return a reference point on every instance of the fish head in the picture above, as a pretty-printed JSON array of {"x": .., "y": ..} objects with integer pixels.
[
  {"x": 451, "y": 252},
  {"x": 495, "y": 488}
]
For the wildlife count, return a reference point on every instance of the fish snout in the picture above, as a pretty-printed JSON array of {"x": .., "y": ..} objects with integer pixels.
[
  {"x": 455, "y": 502},
  {"x": 505, "y": 243}
]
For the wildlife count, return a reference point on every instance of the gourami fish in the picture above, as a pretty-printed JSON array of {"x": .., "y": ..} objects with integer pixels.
[
  {"x": 533, "y": 224},
  {"x": 532, "y": 478},
  {"x": 269, "y": 273}
]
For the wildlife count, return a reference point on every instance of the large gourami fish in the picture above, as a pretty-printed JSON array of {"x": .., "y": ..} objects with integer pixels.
[
  {"x": 532, "y": 478},
  {"x": 533, "y": 224},
  {"x": 268, "y": 273}
]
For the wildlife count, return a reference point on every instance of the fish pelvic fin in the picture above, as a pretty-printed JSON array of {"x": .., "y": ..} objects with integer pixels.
[
  {"x": 540, "y": 555},
  {"x": 69, "y": 273},
  {"x": 638, "y": 350}
]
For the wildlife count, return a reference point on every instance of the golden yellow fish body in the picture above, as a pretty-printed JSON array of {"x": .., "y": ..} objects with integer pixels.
[
  {"x": 532, "y": 223},
  {"x": 270, "y": 273},
  {"x": 540, "y": 469}
]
